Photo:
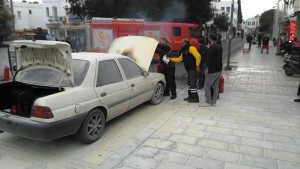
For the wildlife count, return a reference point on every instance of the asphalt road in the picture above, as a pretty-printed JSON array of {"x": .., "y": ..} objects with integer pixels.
[{"x": 21, "y": 153}]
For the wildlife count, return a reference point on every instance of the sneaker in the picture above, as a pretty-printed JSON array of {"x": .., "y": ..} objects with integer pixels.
[
  {"x": 204, "y": 105},
  {"x": 173, "y": 97},
  {"x": 193, "y": 101},
  {"x": 214, "y": 105},
  {"x": 297, "y": 100},
  {"x": 186, "y": 99}
]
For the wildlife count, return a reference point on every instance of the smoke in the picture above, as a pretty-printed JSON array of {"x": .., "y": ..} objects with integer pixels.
[{"x": 175, "y": 12}]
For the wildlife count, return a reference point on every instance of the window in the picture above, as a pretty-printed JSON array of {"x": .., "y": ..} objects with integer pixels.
[
  {"x": 228, "y": 9},
  {"x": 19, "y": 14},
  {"x": 193, "y": 32},
  {"x": 131, "y": 70},
  {"x": 47, "y": 12},
  {"x": 176, "y": 31},
  {"x": 54, "y": 11},
  {"x": 108, "y": 73},
  {"x": 223, "y": 8},
  {"x": 253, "y": 23},
  {"x": 30, "y": 12}
]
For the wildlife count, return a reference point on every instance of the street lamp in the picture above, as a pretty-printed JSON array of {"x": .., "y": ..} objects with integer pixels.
[
  {"x": 275, "y": 29},
  {"x": 228, "y": 67}
]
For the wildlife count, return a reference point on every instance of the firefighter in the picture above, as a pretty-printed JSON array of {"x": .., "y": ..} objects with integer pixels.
[
  {"x": 191, "y": 58},
  {"x": 168, "y": 69}
]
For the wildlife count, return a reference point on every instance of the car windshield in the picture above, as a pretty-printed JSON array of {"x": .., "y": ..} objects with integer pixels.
[{"x": 44, "y": 76}]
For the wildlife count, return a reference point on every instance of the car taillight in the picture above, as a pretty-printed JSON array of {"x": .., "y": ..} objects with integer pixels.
[{"x": 41, "y": 112}]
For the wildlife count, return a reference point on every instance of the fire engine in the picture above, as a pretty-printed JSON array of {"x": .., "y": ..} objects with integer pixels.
[{"x": 101, "y": 32}]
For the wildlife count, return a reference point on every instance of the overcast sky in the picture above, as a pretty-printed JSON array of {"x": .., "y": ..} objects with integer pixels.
[{"x": 250, "y": 8}]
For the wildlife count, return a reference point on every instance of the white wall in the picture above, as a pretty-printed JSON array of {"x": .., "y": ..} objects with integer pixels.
[
  {"x": 225, "y": 5},
  {"x": 60, "y": 5},
  {"x": 25, "y": 20}
]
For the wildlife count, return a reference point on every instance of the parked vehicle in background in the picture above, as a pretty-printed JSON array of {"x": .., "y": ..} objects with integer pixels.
[
  {"x": 55, "y": 93},
  {"x": 102, "y": 31}
]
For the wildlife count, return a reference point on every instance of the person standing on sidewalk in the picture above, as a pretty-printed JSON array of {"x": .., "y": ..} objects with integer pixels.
[
  {"x": 163, "y": 48},
  {"x": 213, "y": 71},
  {"x": 265, "y": 44},
  {"x": 298, "y": 93},
  {"x": 191, "y": 59},
  {"x": 203, "y": 52},
  {"x": 249, "y": 40}
]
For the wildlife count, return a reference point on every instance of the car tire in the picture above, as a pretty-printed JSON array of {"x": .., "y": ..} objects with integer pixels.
[
  {"x": 92, "y": 128},
  {"x": 288, "y": 72},
  {"x": 157, "y": 96}
]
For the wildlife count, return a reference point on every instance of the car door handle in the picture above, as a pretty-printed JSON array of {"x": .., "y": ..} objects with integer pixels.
[
  {"x": 103, "y": 94},
  {"x": 132, "y": 85}
]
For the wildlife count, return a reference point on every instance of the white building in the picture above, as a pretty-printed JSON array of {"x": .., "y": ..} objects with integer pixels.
[
  {"x": 224, "y": 8},
  {"x": 251, "y": 25},
  {"x": 28, "y": 15}
]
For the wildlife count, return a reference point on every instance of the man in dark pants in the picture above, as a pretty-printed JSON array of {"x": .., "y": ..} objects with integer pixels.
[
  {"x": 249, "y": 40},
  {"x": 203, "y": 52},
  {"x": 213, "y": 71},
  {"x": 191, "y": 58},
  {"x": 163, "y": 48},
  {"x": 298, "y": 93}
]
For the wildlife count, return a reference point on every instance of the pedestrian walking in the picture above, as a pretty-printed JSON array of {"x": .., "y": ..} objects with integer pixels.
[
  {"x": 191, "y": 59},
  {"x": 249, "y": 40},
  {"x": 203, "y": 50},
  {"x": 168, "y": 69},
  {"x": 213, "y": 71},
  {"x": 265, "y": 44},
  {"x": 259, "y": 38},
  {"x": 298, "y": 93}
]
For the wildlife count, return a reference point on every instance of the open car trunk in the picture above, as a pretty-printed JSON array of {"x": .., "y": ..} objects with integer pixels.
[{"x": 17, "y": 98}]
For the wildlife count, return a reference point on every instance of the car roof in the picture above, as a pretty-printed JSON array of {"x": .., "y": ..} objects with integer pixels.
[{"x": 91, "y": 56}]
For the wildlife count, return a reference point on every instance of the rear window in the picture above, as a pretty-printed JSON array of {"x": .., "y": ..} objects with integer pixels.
[{"x": 47, "y": 76}]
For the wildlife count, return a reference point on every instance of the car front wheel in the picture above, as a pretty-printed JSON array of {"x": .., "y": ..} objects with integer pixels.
[
  {"x": 157, "y": 94},
  {"x": 92, "y": 128}
]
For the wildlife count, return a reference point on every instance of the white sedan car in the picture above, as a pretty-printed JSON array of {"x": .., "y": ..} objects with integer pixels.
[{"x": 55, "y": 93}]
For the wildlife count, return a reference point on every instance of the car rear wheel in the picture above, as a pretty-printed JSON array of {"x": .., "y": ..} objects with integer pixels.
[
  {"x": 288, "y": 72},
  {"x": 92, "y": 128},
  {"x": 157, "y": 94}
]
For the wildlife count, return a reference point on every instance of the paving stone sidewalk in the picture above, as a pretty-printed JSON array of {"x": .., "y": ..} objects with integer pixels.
[{"x": 256, "y": 124}]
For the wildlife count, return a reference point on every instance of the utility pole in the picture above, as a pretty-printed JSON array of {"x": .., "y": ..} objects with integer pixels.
[
  {"x": 13, "y": 22},
  {"x": 228, "y": 67}
]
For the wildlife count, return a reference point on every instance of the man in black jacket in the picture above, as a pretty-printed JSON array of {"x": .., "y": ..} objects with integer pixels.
[
  {"x": 40, "y": 34},
  {"x": 213, "y": 71},
  {"x": 168, "y": 69},
  {"x": 191, "y": 59},
  {"x": 203, "y": 52}
]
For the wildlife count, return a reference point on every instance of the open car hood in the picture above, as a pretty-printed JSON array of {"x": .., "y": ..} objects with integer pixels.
[
  {"x": 139, "y": 48},
  {"x": 54, "y": 54}
]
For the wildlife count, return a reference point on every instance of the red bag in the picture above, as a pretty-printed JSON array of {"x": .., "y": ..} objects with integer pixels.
[{"x": 221, "y": 84}]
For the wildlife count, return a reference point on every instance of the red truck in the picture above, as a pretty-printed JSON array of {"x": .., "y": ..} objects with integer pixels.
[{"x": 102, "y": 31}]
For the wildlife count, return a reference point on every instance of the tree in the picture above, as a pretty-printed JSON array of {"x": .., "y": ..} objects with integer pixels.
[
  {"x": 5, "y": 19},
  {"x": 222, "y": 22},
  {"x": 152, "y": 10},
  {"x": 266, "y": 21},
  {"x": 240, "y": 15}
]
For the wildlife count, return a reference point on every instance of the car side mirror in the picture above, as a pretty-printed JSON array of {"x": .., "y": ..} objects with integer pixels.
[{"x": 145, "y": 73}]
